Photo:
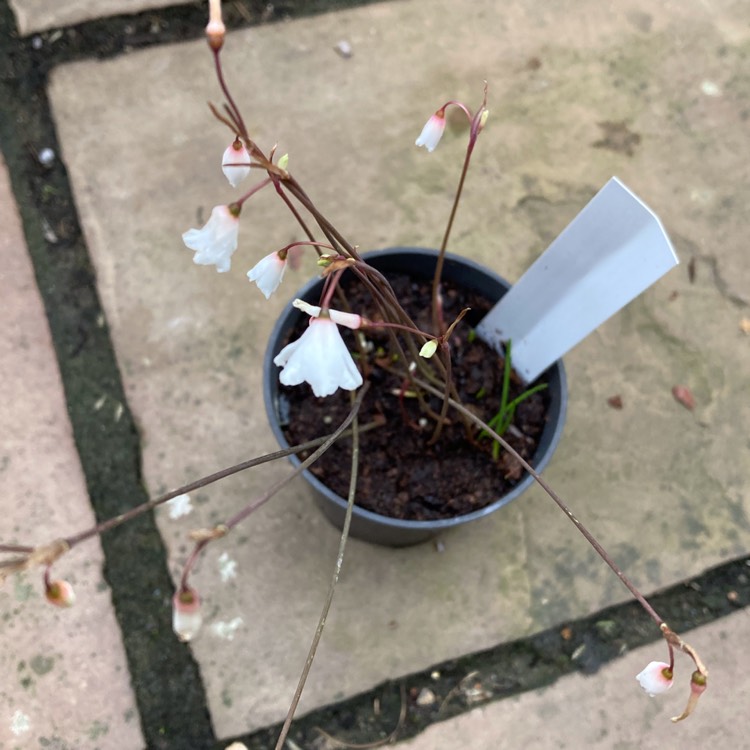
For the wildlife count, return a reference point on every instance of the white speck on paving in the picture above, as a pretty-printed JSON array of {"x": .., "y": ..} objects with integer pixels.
[
  {"x": 180, "y": 320},
  {"x": 179, "y": 506},
  {"x": 709, "y": 88},
  {"x": 19, "y": 723},
  {"x": 227, "y": 567},
  {"x": 226, "y": 630}
]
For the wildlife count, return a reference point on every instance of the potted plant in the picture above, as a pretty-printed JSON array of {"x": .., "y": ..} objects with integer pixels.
[
  {"x": 426, "y": 519},
  {"x": 417, "y": 357}
]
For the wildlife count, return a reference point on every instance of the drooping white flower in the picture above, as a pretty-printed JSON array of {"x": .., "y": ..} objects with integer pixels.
[
  {"x": 235, "y": 163},
  {"x": 186, "y": 614},
  {"x": 267, "y": 273},
  {"x": 656, "y": 678},
  {"x": 215, "y": 242},
  {"x": 320, "y": 357},
  {"x": 60, "y": 593},
  {"x": 432, "y": 132}
]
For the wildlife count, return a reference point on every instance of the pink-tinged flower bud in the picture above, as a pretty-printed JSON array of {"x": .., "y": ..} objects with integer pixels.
[
  {"x": 320, "y": 357},
  {"x": 215, "y": 30},
  {"x": 215, "y": 242},
  {"x": 186, "y": 614},
  {"x": 60, "y": 593},
  {"x": 656, "y": 678},
  {"x": 433, "y": 131},
  {"x": 235, "y": 163},
  {"x": 349, "y": 320},
  {"x": 267, "y": 273}
]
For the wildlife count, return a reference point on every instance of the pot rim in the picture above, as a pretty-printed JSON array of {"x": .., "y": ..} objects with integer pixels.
[{"x": 270, "y": 397}]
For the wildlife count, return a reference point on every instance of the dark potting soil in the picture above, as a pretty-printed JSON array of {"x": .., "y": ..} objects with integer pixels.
[{"x": 401, "y": 475}]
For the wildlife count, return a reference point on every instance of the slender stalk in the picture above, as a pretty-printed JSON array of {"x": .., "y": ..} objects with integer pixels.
[
  {"x": 293, "y": 209},
  {"x": 558, "y": 500},
  {"x": 437, "y": 309},
  {"x": 16, "y": 548},
  {"x": 440, "y": 422},
  {"x": 225, "y": 89},
  {"x": 112, "y": 523},
  {"x": 237, "y": 518},
  {"x": 253, "y": 190},
  {"x": 331, "y": 589}
]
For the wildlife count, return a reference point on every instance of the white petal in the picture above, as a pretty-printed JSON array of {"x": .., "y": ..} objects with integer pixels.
[
  {"x": 186, "y": 616},
  {"x": 319, "y": 357},
  {"x": 431, "y": 133},
  {"x": 186, "y": 625},
  {"x": 235, "y": 174},
  {"x": 267, "y": 273},
  {"x": 215, "y": 242},
  {"x": 652, "y": 678},
  {"x": 350, "y": 320},
  {"x": 312, "y": 310}
]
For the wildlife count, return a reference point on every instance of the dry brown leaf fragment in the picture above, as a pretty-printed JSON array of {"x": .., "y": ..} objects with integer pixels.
[{"x": 684, "y": 396}]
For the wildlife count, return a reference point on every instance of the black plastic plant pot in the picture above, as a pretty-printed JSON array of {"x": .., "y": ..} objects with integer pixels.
[{"x": 366, "y": 525}]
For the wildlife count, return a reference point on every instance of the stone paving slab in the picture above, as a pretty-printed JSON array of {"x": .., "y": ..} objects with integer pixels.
[
  {"x": 608, "y": 716},
  {"x": 65, "y": 679},
  {"x": 40, "y": 15},
  {"x": 579, "y": 92}
]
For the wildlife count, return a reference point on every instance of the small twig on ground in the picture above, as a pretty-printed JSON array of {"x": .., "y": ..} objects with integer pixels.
[
  {"x": 377, "y": 743},
  {"x": 456, "y": 690}
]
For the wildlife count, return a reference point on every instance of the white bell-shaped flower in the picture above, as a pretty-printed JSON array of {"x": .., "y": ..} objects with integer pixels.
[
  {"x": 215, "y": 242},
  {"x": 320, "y": 357},
  {"x": 235, "y": 163},
  {"x": 656, "y": 678},
  {"x": 186, "y": 614},
  {"x": 432, "y": 132},
  {"x": 267, "y": 273}
]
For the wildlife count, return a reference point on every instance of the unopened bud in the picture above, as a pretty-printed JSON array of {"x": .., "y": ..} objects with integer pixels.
[
  {"x": 283, "y": 161},
  {"x": 215, "y": 31},
  {"x": 324, "y": 261},
  {"x": 235, "y": 162},
  {"x": 186, "y": 614},
  {"x": 483, "y": 118},
  {"x": 428, "y": 349},
  {"x": 60, "y": 593}
]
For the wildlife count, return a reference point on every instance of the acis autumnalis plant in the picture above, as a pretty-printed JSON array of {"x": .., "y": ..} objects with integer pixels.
[{"x": 319, "y": 357}]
